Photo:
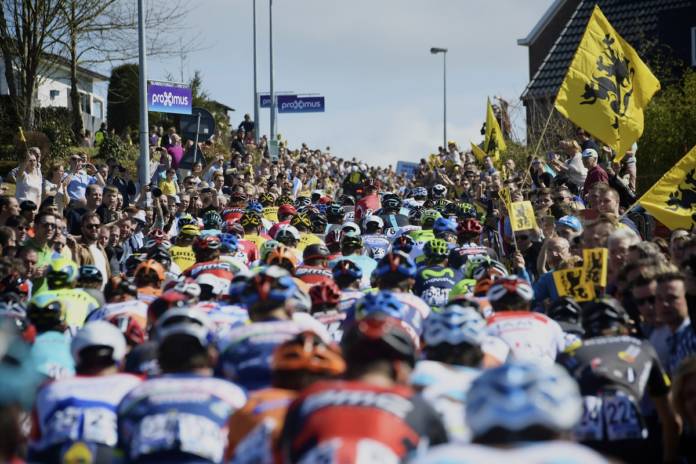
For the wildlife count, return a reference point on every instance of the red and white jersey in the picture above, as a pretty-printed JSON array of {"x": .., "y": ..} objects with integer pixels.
[{"x": 531, "y": 336}]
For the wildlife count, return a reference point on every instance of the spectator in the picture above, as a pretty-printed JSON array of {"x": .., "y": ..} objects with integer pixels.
[
  {"x": 87, "y": 250},
  {"x": 595, "y": 172},
  {"x": 80, "y": 176},
  {"x": 29, "y": 178},
  {"x": 175, "y": 150}
]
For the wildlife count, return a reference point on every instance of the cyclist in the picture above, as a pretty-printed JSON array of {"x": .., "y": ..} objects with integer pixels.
[
  {"x": 252, "y": 224},
  {"x": 396, "y": 273},
  {"x": 530, "y": 336},
  {"x": 452, "y": 339},
  {"x": 468, "y": 233},
  {"x": 61, "y": 278},
  {"x": 370, "y": 202},
  {"x": 335, "y": 214},
  {"x": 212, "y": 223},
  {"x": 434, "y": 279},
  {"x": 51, "y": 348},
  {"x": 89, "y": 279},
  {"x": 519, "y": 412},
  {"x": 182, "y": 251},
  {"x": 315, "y": 265},
  {"x": 181, "y": 415},
  {"x": 418, "y": 197},
  {"x": 207, "y": 250},
  {"x": 347, "y": 276},
  {"x": 14, "y": 314},
  {"x": 255, "y": 429},
  {"x": 374, "y": 240},
  {"x": 391, "y": 214},
  {"x": 568, "y": 313},
  {"x": 285, "y": 213},
  {"x": 614, "y": 371},
  {"x": 290, "y": 237},
  {"x": 351, "y": 249},
  {"x": 372, "y": 416},
  {"x": 148, "y": 279},
  {"x": 303, "y": 223},
  {"x": 446, "y": 229},
  {"x": 326, "y": 297},
  {"x": 90, "y": 399},
  {"x": 126, "y": 304}
]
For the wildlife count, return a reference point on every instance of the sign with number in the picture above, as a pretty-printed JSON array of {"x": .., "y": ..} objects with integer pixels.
[
  {"x": 271, "y": 213},
  {"x": 522, "y": 216},
  {"x": 572, "y": 283},
  {"x": 595, "y": 265}
]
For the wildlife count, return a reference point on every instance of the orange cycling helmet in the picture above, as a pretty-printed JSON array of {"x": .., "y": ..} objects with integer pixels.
[
  {"x": 282, "y": 256},
  {"x": 148, "y": 267},
  {"x": 308, "y": 352}
]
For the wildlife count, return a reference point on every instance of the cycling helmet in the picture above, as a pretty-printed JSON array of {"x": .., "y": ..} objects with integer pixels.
[
  {"x": 351, "y": 240},
  {"x": 391, "y": 202},
  {"x": 255, "y": 206},
  {"x": 300, "y": 301},
  {"x": 395, "y": 263},
  {"x": 207, "y": 242},
  {"x": 99, "y": 334},
  {"x": 284, "y": 200},
  {"x": 403, "y": 242},
  {"x": 489, "y": 268},
  {"x": 185, "y": 220},
  {"x": 439, "y": 191},
  {"x": 268, "y": 289},
  {"x": 466, "y": 211},
  {"x": 287, "y": 234},
  {"x": 373, "y": 219},
  {"x": 282, "y": 256},
  {"x": 319, "y": 223},
  {"x": 230, "y": 242},
  {"x": 324, "y": 295},
  {"x": 266, "y": 199},
  {"x": 382, "y": 302},
  {"x": 351, "y": 227},
  {"x": 160, "y": 254},
  {"x": 157, "y": 235},
  {"x": 149, "y": 267},
  {"x": 516, "y": 396},
  {"x": 46, "y": 310},
  {"x": 568, "y": 313},
  {"x": 266, "y": 247},
  {"x": 133, "y": 261},
  {"x": 62, "y": 273},
  {"x": 429, "y": 216},
  {"x": 315, "y": 251},
  {"x": 302, "y": 201},
  {"x": 333, "y": 240},
  {"x": 129, "y": 327},
  {"x": 301, "y": 220},
  {"x": 190, "y": 230},
  {"x": 454, "y": 325},
  {"x": 442, "y": 227},
  {"x": 186, "y": 321},
  {"x": 441, "y": 205},
  {"x": 469, "y": 228},
  {"x": 250, "y": 219},
  {"x": 436, "y": 249},
  {"x": 376, "y": 337},
  {"x": 420, "y": 193},
  {"x": 308, "y": 352},
  {"x": 347, "y": 200},
  {"x": 414, "y": 215},
  {"x": 335, "y": 213},
  {"x": 172, "y": 298},
  {"x": 212, "y": 220},
  {"x": 14, "y": 286},
  {"x": 451, "y": 209},
  {"x": 118, "y": 287},
  {"x": 90, "y": 274},
  {"x": 605, "y": 314},
  {"x": 346, "y": 269},
  {"x": 510, "y": 293}
]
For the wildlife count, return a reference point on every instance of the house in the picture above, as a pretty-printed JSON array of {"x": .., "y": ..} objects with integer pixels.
[
  {"x": 648, "y": 25},
  {"x": 54, "y": 90}
]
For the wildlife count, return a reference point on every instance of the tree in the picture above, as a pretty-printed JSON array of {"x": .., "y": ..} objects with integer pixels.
[
  {"x": 28, "y": 31},
  {"x": 123, "y": 105}
]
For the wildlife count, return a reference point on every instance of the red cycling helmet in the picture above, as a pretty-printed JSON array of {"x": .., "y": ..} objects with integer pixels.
[
  {"x": 324, "y": 295},
  {"x": 207, "y": 242},
  {"x": 129, "y": 327},
  {"x": 287, "y": 210},
  {"x": 510, "y": 293},
  {"x": 469, "y": 227}
]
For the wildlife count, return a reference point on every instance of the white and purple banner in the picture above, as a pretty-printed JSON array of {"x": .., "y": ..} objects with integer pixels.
[{"x": 165, "y": 97}]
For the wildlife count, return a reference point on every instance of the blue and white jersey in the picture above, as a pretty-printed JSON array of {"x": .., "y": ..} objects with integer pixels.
[
  {"x": 51, "y": 351},
  {"x": 225, "y": 317},
  {"x": 178, "y": 418},
  {"x": 348, "y": 299},
  {"x": 378, "y": 244},
  {"x": 78, "y": 410}
]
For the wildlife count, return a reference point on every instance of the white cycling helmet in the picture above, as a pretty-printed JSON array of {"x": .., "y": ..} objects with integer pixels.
[
  {"x": 439, "y": 191},
  {"x": 287, "y": 230},
  {"x": 99, "y": 333},
  {"x": 516, "y": 396},
  {"x": 350, "y": 226},
  {"x": 219, "y": 285},
  {"x": 186, "y": 321},
  {"x": 454, "y": 325},
  {"x": 373, "y": 218}
]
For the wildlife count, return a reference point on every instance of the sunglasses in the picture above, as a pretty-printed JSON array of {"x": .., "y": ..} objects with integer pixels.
[
  {"x": 50, "y": 225},
  {"x": 647, "y": 299},
  {"x": 91, "y": 226}
]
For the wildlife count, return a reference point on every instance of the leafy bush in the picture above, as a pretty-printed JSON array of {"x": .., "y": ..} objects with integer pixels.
[
  {"x": 113, "y": 147},
  {"x": 123, "y": 106}
]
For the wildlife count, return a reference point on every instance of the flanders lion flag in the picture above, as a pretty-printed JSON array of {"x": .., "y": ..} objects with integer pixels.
[
  {"x": 607, "y": 87},
  {"x": 494, "y": 143},
  {"x": 478, "y": 153},
  {"x": 672, "y": 200}
]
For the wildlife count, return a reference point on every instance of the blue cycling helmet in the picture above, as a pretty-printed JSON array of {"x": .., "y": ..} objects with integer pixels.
[
  {"x": 268, "y": 289},
  {"x": 255, "y": 206},
  {"x": 516, "y": 396},
  {"x": 420, "y": 192},
  {"x": 403, "y": 242},
  {"x": 346, "y": 269},
  {"x": 454, "y": 325},
  {"x": 395, "y": 263},
  {"x": 230, "y": 242},
  {"x": 380, "y": 303},
  {"x": 444, "y": 226},
  {"x": 212, "y": 220}
]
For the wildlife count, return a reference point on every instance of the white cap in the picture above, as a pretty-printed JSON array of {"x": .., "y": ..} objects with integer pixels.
[{"x": 99, "y": 333}]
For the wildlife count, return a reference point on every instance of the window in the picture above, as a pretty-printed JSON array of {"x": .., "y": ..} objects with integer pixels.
[
  {"x": 98, "y": 109},
  {"x": 85, "y": 103},
  {"x": 54, "y": 94},
  {"x": 693, "y": 46}
]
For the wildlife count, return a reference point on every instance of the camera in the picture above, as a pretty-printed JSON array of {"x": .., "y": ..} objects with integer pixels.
[{"x": 156, "y": 192}]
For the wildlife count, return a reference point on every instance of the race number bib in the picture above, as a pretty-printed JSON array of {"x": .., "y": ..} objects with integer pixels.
[
  {"x": 621, "y": 419},
  {"x": 591, "y": 426}
]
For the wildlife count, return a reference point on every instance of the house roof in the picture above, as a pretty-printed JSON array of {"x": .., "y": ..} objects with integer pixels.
[
  {"x": 543, "y": 22},
  {"x": 57, "y": 59},
  {"x": 632, "y": 19},
  {"x": 222, "y": 105}
]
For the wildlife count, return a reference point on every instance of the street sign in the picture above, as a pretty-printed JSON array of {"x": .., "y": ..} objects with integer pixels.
[
  {"x": 299, "y": 104},
  {"x": 167, "y": 97},
  {"x": 188, "y": 125},
  {"x": 407, "y": 168}
]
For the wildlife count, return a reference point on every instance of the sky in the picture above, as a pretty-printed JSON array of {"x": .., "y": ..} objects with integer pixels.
[{"x": 371, "y": 60}]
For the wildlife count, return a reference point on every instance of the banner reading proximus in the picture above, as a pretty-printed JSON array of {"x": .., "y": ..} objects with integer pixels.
[{"x": 166, "y": 97}]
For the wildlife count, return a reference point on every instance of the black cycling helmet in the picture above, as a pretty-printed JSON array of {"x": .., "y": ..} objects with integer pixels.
[
  {"x": 319, "y": 223},
  {"x": 605, "y": 314},
  {"x": 391, "y": 202},
  {"x": 377, "y": 337},
  {"x": 346, "y": 200},
  {"x": 568, "y": 313},
  {"x": 89, "y": 274},
  {"x": 335, "y": 213},
  {"x": 315, "y": 251}
]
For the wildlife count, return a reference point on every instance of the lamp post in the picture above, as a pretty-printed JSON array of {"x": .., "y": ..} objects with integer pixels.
[
  {"x": 435, "y": 51},
  {"x": 256, "y": 92},
  {"x": 273, "y": 100},
  {"x": 142, "y": 94}
]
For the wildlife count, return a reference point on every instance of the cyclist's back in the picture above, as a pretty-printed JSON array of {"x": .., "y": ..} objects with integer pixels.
[{"x": 434, "y": 282}]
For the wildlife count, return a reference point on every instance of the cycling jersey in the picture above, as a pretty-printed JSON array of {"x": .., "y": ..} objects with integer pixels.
[
  {"x": 531, "y": 336},
  {"x": 352, "y": 421},
  {"x": 445, "y": 387},
  {"x": 183, "y": 256},
  {"x": 142, "y": 360},
  {"x": 378, "y": 244},
  {"x": 178, "y": 418},
  {"x": 366, "y": 264},
  {"x": 254, "y": 430},
  {"x": 333, "y": 321},
  {"x": 78, "y": 415},
  {"x": 547, "y": 452},
  {"x": 77, "y": 302},
  {"x": 366, "y": 206},
  {"x": 393, "y": 222},
  {"x": 348, "y": 299},
  {"x": 313, "y": 275},
  {"x": 225, "y": 317},
  {"x": 207, "y": 266},
  {"x": 136, "y": 309},
  {"x": 306, "y": 239},
  {"x": 613, "y": 374},
  {"x": 434, "y": 283},
  {"x": 51, "y": 352},
  {"x": 257, "y": 239},
  {"x": 149, "y": 294}
]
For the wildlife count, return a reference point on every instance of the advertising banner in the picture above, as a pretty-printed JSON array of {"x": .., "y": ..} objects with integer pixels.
[
  {"x": 297, "y": 104},
  {"x": 165, "y": 97}
]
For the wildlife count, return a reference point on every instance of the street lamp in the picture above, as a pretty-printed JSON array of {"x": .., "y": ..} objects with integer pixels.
[
  {"x": 256, "y": 92},
  {"x": 435, "y": 51},
  {"x": 270, "y": 38}
]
